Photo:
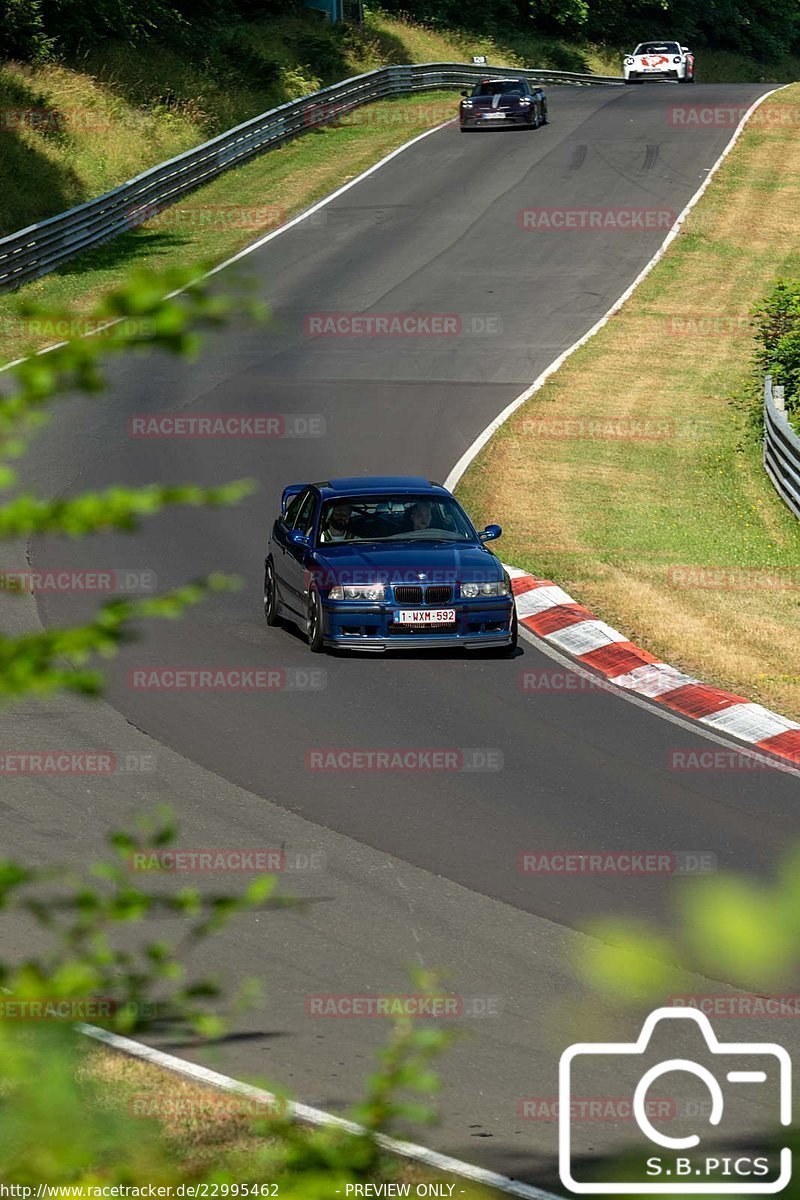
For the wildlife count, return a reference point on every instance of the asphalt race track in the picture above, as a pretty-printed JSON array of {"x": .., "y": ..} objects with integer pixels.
[{"x": 435, "y": 231}]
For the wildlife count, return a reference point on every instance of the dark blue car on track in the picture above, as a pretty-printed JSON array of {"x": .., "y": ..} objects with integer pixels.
[{"x": 383, "y": 563}]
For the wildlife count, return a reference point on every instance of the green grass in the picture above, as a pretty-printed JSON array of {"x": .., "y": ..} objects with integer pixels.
[
  {"x": 120, "y": 110},
  {"x": 628, "y": 523},
  {"x": 221, "y": 218},
  {"x": 203, "y": 1129},
  {"x": 124, "y": 110}
]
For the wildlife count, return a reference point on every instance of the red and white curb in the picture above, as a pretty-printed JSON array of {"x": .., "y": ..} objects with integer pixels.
[{"x": 547, "y": 611}]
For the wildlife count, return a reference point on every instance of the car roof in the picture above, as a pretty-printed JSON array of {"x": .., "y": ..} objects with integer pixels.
[{"x": 370, "y": 484}]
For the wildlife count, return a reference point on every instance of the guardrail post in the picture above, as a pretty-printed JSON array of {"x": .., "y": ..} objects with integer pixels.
[
  {"x": 778, "y": 397},
  {"x": 402, "y": 80}
]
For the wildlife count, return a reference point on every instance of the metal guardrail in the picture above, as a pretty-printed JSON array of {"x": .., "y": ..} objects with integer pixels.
[
  {"x": 43, "y": 247},
  {"x": 781, "y": 447}
]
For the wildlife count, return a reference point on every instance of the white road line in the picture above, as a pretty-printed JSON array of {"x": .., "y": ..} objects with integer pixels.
[
  {"x": 482, "y": 438},
  {"x": 304, "y": 1112},
  {"x": 316, "y": 1116},
  {"x": 469, "y": 455},
  {"x": 303, "y": 216}
]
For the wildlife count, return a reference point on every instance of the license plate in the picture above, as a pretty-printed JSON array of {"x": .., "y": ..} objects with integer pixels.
[
  {"x": 425, "y": 616},
  {"x": 494, "y": 116}
]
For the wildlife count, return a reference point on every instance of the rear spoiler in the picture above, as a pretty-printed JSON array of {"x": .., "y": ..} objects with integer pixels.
[{"x": 292, "y": 490}]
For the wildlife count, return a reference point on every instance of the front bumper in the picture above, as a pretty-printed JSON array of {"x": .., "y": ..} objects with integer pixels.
[
  {"x": 478, "y": 624},
  {"x": 476, "y": 120},
  {"x": 672, "y": 73}
]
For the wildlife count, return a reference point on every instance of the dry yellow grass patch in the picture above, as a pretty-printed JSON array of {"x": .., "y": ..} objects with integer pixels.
[{"x": 207, "y": 1128}]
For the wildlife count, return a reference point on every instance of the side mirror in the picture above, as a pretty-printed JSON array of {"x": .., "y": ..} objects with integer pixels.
[
  {"x": 299, "y": 539},
  {"x": 465, "y": 93},
  {"x": 491, "y": 533},
  {"x": 685, "y": 50}
]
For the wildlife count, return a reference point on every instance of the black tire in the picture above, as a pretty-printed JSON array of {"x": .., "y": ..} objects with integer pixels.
[
  {"x": 314, "y": 629},
  {"x": 270, "y": 595},
  {"x": 545, "y": 116}
]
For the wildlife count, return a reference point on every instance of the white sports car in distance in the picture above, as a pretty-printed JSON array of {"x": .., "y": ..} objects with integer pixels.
[{"x": 659, "y": 60}]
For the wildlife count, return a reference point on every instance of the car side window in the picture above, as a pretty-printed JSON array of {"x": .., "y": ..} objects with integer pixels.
[
  {"x": 305, "y": 516},
  {"x": 292, "y": 509}
]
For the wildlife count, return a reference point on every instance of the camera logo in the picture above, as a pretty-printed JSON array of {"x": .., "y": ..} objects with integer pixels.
[{"x": 676, "y": 1172}]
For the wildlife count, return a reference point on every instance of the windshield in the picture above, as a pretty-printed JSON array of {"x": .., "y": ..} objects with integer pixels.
[
  {"x": 504, "y": 87},
  {"x": 394, "y": 519},
  {"x": 658, "y": 48}
]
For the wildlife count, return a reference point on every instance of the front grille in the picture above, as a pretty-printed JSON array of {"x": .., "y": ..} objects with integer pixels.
[
  {"x": 438, "y": 595},
  {"x": 408, "y": 595}
]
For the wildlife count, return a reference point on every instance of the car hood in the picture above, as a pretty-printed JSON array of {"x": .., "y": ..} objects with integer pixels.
[
  {"x": 498, "y": 102},
  {"x": 655, "y": 60},
  {"x": 404, "y": 562}
]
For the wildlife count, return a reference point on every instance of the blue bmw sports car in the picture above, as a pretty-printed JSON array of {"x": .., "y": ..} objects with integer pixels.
[{"x": 385, "y": 563}]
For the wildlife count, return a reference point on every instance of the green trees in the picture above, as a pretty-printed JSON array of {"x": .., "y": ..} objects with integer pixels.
[
  {"x": 37, "y": 29},
  {"x": 778, "y": 349}
]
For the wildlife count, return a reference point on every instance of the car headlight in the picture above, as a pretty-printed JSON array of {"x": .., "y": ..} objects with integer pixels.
[
  {"x": 524, "y": 99},
  {"x": 466, "y": 104},
  {"x": 470, "y": 590},
  {"x": 629, "y": 62},
  {"x": 677, "y": 60},
  {"x": 360, "y": 591}
]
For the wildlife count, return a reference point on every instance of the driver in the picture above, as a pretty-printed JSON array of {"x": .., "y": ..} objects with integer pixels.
[
  {"x": 339, "y": 528},
  {"x": 420, "y": 515}
]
